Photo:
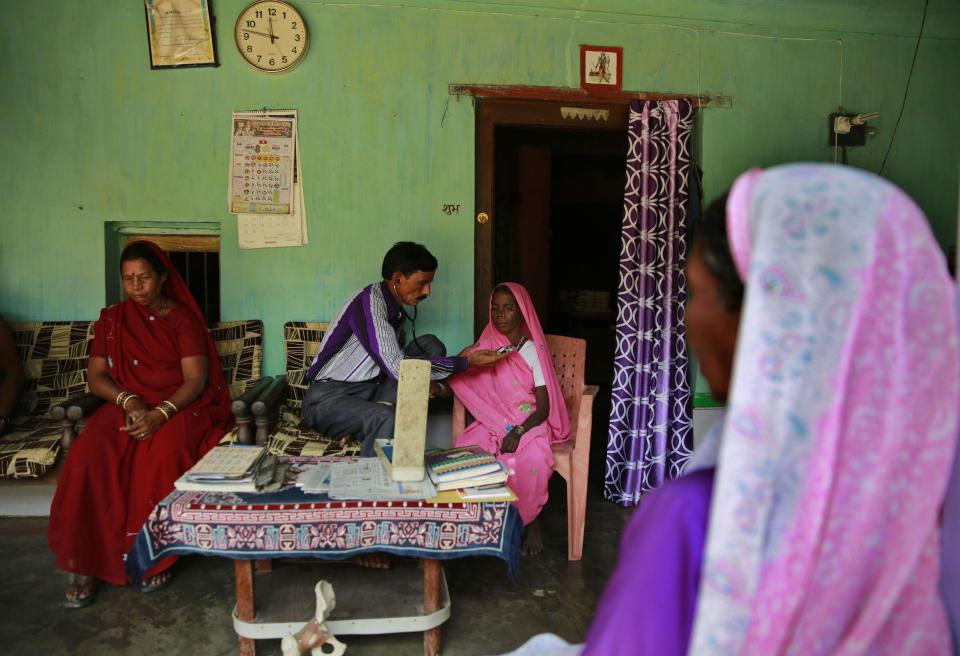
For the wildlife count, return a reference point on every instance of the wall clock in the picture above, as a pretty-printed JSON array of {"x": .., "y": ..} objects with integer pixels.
[{"x": 271, "y": 36}]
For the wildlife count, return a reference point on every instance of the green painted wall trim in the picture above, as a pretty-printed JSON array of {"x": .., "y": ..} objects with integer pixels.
[{"x": 706, "y": 400}]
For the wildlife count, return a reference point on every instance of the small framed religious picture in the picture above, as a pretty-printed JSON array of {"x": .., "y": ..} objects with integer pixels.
[
  {"x": 180, "y": 33},
  {"x": 601, "y": 68}
]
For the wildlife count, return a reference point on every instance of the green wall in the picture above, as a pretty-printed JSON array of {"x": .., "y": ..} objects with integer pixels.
[{"x": 93, "y": 135}]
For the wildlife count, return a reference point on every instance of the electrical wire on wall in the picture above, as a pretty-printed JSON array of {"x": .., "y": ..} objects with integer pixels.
[{"x": 906, "y": 91}]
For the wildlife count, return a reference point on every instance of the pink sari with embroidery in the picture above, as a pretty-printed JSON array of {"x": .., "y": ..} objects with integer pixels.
[{"x": 502, "y": 396}]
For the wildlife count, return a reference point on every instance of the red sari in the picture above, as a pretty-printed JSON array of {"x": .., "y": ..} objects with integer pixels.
[{"x": 111, "y": 481}]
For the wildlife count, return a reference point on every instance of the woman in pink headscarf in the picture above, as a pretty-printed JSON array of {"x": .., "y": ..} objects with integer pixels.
[{"x": 517, "y": 403}]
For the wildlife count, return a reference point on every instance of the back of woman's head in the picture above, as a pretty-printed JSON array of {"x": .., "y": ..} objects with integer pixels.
[
  {"x": 141, "y": 251},
  {"x": 711, "y": 235}
]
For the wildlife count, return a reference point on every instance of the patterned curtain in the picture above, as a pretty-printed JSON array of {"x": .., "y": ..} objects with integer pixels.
[{"x": 650, "y": 416}]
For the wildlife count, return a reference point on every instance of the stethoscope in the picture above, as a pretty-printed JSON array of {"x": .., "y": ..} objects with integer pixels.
[{"x": 413, "y": 325}]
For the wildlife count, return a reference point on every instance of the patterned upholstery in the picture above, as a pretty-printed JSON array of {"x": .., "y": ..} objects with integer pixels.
[
  {"x": 302, "y": 341},
  {"x": 240, "y": 347},
  {"x": 54, "y": 354}
]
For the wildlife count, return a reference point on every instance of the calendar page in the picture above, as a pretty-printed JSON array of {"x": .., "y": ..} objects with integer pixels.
[{"x": 262, "y": 165}]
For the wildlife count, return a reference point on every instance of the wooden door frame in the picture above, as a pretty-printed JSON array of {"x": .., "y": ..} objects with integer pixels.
[{"x": 495, "y": 112}]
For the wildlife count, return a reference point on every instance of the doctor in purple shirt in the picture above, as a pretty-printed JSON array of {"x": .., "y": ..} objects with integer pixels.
[{"x": 354, "y": 377}]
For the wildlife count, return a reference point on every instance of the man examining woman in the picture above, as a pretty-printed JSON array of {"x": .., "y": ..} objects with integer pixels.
[{"x": 353, "y": 378}]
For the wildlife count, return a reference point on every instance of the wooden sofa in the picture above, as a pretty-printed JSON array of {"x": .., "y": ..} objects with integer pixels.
[
  {"x": 277, "y": 409},
  {"x": 54, "y": 398}
]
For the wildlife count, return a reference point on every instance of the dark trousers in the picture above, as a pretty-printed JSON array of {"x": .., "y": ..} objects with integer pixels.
[{"x": 337, "y": 408}]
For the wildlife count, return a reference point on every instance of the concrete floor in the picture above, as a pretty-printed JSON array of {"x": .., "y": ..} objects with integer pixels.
[{"x": 490, "y": 614}]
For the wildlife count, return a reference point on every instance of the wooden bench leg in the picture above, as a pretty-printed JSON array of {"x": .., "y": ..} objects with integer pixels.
[
  {"x": 431, "y": 604},
  {"x": 243, "y": 572}
]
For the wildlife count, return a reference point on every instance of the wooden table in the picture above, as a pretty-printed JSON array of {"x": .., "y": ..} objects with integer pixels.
[
  {"x": 273, "y": 602},
  {"x": 257, "y": 529}
]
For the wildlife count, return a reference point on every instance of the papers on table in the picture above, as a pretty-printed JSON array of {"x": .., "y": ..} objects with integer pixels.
[
  {"x": 314, "y": 479},
  {"x": 366, "y": 479}
]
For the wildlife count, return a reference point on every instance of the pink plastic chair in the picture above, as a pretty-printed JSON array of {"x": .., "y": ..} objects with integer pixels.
[{"x": 571, "y": 458}]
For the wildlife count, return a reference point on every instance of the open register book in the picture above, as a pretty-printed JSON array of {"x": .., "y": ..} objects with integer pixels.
[{"x": 229, "y": 469}]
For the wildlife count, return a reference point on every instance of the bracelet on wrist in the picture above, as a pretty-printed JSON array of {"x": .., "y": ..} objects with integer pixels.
[
  {"x": 125, "y": 396},
  {"x": 167, "y": 408}
]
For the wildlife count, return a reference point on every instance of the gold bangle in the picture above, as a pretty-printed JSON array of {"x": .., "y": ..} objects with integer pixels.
[
  {"x": 172, "y": 406},
  {"x": 130, "y": 395},
  {"x": 121, "y": 398},
  {"x": 163, "y": 411}
]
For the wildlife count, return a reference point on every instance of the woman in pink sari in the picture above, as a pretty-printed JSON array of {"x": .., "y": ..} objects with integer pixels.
[
  {"x": 517, "y": 403},
  {"x": 809, "y": 521}
]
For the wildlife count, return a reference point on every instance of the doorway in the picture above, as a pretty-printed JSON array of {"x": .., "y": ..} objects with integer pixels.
[{"x": 550, "y": 180}]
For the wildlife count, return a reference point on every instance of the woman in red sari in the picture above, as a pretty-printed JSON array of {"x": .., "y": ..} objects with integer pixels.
[{"x": 155, "y": 363}]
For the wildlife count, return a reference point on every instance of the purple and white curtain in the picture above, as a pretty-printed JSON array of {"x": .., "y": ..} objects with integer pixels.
[{"x": 651, "y": 430}]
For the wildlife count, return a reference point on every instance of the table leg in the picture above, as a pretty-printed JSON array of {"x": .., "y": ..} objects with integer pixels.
[
  {"x": 431, "y": 604},
  {"x": 243, "y": 573}
]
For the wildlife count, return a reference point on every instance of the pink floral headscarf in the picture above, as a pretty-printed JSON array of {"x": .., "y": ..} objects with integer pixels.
[{"x": 841, "y": 425}]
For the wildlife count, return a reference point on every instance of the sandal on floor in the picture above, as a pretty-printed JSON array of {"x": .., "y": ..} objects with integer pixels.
[
  {"x": 158, "y": 582},
  {"x": 81, "y": 600}
]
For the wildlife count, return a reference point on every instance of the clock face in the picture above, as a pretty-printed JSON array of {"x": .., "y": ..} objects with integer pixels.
[{"x": 271, "y": 36}]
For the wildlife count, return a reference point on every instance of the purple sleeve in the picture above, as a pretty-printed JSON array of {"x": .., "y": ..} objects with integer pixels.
[
  {"x": 379, "y": 339},
  {"x": 649, "y": 603}
]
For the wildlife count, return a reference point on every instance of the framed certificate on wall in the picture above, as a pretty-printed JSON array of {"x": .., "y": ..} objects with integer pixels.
[{"x": 180, "y": 33}]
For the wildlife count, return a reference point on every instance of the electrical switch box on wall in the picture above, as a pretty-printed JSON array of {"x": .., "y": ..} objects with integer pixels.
[{"x": 849, "y": 129}]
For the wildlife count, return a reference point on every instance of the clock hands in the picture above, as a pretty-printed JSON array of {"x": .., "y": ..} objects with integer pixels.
[
  {"x": 260, "y": 33},
  {"x": 272, "y": 37}
]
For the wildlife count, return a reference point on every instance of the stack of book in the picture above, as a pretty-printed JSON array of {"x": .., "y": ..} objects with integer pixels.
[
  {"x": 472, "y": 472},
  {"x": 230, "y": 469}
]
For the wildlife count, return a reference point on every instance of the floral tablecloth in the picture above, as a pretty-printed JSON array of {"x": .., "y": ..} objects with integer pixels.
[{"x": 290, "y": 524}]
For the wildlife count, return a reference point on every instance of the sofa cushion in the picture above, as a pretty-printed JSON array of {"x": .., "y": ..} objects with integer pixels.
[
  {"x": 54, "y": 356},
  {"x": 292, "y": 439},
  {"x": 30, "y": 447},
  {"x": 301, "y": 342},
  {"x": 240, "y": 347}
]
